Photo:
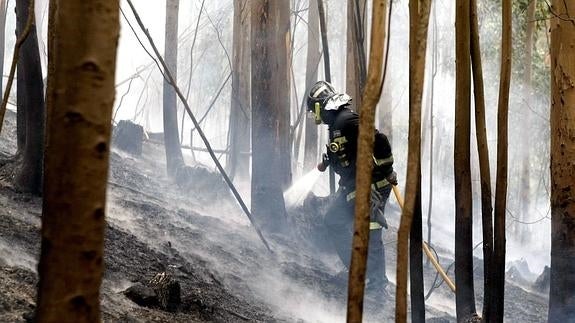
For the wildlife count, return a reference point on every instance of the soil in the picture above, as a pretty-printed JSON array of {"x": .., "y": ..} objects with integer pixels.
[{"x": 205, "y": 242}]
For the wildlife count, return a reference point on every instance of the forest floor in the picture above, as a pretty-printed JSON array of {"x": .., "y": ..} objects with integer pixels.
[{"x": 199, "y": 235}]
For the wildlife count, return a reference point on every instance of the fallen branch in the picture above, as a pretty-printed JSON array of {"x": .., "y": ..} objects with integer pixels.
[
  {"x": 21, "y": 39},
  {"x": 171, "y": 80}
]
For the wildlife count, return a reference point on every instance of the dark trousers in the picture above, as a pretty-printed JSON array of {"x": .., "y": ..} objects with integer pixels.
[{"x": 339, "y": 222}]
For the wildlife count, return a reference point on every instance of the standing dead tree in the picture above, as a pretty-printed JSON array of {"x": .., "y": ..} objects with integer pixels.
[
  {"x": 313, "y": 58},
  {"x": 327, "y": 71},
  {"x": 356, "y": 62},
  {"x": 16, "y": 56},
  {"x": 562, "y": 291},
  {"x": 419, "y": 22},
  {"x": 240, "y": 114},
  {"x": 30, "y": 93},
  {"x": 270, "y": 107},
  {"x": 76, "y": 158},
  {"x": 483, "y": 152},
  {"x": 3, "y": 13},
  {"x": 365, "y": 165},
  {"x": 498, "y": 278},
  {"x": 174, "y": 157},
  {"x": 464, "y": 295},
  {"x": 167, "y": 74}
]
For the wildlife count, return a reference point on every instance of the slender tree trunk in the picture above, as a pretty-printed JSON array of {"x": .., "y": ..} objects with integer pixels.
[
  {"x": 3, "y": 11},
  {"x": 356, "y": 58},
  {"x": 431, "y": 125},
  {"x": 484, "y": 169},
  {"x": 240, "y": 114},
  {"x": 498, "y": 291},
  {"x": 283, "y": 99},
  {"x": 419, "y": 22},
  {"x": 386, "y": 104},
  {"x": 526, "y": 138},
  {"x": 415, "y": 235},
  {"x": 269, "y": 94},
  {"x": 73, "y": 218},
  {"x": 562, "y": 291},
  {"x": 365, "y": 165},
  {"x": 174, "y": 157},
  {"x": 465, "y": 298},
  {"x": 31, "y": 91},
  {"x": 416, "y": 263},
  {"x": 313, "y": 58},
  {"x": 327, "y": 71}
]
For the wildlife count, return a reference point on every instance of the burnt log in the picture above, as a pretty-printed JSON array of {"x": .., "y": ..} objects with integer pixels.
[{"x": 142, "y": 295}]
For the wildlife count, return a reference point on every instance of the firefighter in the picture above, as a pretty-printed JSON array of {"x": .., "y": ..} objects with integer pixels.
[{"x": 334, "y": 109}]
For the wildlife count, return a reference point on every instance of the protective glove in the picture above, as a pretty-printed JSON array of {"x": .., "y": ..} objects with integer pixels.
[
  {"x": 380, "y": 218},
  {"x": 322, "y": 166},
  {"x": 377, "y": 213},
  {"x": 392, "y": 178}
]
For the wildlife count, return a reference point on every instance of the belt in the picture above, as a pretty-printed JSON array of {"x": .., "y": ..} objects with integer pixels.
[{"x": 375, "y": 186}]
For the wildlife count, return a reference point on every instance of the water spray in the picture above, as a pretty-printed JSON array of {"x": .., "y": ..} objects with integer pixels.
[{"x": 296, "y": 194}]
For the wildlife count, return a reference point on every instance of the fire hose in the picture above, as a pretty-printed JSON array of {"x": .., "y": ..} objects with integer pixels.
[{"x": 425, "y": 246}]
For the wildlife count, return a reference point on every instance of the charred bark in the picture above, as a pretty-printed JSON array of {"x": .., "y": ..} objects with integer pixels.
[
  {"x": 356, "y": 60},
  {"x": 30, "y": 94},
  {"x": 562, "y": 290},
  {"x": 419, "y": 11},
  {"x": 484, "y": 169},
  {"x": 498, "y": 273},
  {"x": 464, "y": 296}
]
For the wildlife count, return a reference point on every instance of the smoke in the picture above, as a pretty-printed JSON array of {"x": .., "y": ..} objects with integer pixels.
[{"x": 15, "y": 256}]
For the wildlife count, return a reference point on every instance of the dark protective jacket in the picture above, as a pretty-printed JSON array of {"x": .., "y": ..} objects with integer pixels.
[{"x": 342, "y": 149}]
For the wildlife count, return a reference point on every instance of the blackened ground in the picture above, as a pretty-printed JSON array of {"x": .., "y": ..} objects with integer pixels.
[{"x": 199, "y": 235}]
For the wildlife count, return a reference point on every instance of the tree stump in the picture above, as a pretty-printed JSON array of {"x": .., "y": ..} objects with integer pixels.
[
  {"x": 129, "y": 136},
  {"x": 167, "y": 291}
]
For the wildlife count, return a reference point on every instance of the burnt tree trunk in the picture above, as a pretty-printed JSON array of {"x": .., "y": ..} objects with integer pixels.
[
  {"x": 483, "y": 153},
  {"x": 270, "y": 107},
  {"x": 464, "y": 296},
  {"x": 313, "y": 58},
  {"x": 327, "y": 71},
  {"x": 30, "y": 89},
  {"x": 419, "y": 11},
  {"x": 76, "y": 158},
  {"x": 562, "y": 290},
  {"x": 356, "y": 44},
  {"x": 174, "y": 157},
  {"x": 239, "y": 129},
  {"x": 498, "y": 273},
  {"x": 3, "y": 11}
]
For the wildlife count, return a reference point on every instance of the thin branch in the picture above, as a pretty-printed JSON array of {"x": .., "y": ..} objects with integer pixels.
[
  {"x": 171, "y": 80},
  {"x": 213, "y": 103}
]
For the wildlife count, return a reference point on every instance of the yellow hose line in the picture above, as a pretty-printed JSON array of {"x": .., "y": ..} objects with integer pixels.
[
  {"x": 438, "y": 267},
  {"x": 425, "y": 247}
]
